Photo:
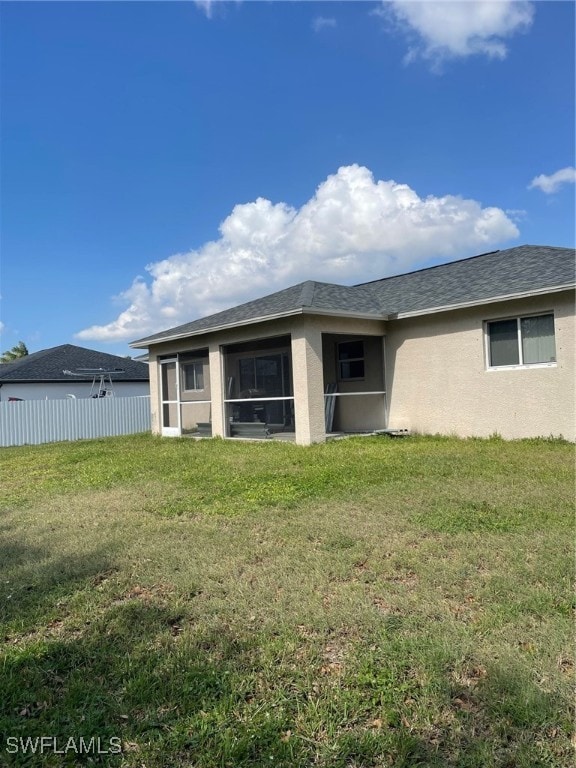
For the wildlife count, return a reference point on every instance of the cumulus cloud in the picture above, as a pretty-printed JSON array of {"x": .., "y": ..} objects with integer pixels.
[
  {"x": 321, "y": 22},
  {"x": 441, "y": 30},
  {"x": 552, "y": 183},
  {"x": 355, "y": 228}
]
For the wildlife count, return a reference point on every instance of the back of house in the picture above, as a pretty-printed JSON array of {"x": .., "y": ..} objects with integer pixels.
[{"x": 475, "y": 347}]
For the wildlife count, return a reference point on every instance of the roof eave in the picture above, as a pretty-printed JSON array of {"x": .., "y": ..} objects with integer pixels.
[
  {"x": 482, "y": 302},
  {"x": 144, "y": 344}
]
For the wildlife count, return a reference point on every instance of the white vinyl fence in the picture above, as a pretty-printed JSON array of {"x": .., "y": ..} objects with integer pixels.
[{"x": 31, "y": 422}]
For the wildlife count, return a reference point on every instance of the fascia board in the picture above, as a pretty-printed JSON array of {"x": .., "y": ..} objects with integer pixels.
[
  {"x": 214, "y": 329},
  {"x": 262, "y": 319},
  {"x": 491, "y": 300}
]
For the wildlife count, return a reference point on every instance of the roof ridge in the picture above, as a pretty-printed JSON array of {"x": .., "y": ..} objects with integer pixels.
[
  {"x": 425, "y": 269},
  {"x": 460, "y": 261},
  {"x": 307, "y": 293}
]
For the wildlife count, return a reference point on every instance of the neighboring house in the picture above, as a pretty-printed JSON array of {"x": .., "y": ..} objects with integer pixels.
[
  {"x": 475, "y": 347},
  {"x": 42, "y": 375}
]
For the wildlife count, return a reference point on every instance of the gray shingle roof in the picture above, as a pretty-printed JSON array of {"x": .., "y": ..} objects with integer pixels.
[
  {"x": 480, "y": 278},
  {"x": 48, "y": 365},
  {"x": 275, "y": 303},
  {"x": 328, "y": 296}
]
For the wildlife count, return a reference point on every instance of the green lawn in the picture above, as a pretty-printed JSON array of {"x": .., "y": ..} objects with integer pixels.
[{"x": 368, "y": 602}]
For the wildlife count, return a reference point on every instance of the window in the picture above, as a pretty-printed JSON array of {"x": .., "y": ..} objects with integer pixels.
[
  {"x": 351, "y": 360},
  {"x": 193, "y": 376},
  {"x": 521, "y": 341}
]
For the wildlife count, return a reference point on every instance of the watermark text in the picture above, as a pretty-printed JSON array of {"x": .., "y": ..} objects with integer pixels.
[{"x": 79, "y": 745}]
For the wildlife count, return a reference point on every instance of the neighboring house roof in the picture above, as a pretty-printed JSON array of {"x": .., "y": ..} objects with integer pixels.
[
  {"x": 48, "y": 366},
  {"x": 514, "y": 272}
]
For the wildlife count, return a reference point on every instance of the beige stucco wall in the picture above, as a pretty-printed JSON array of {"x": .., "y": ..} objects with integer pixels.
[
  {"x": 154, "y": 391},
  {"x": 199, "y": 394},
  {"x": 308, "y": 385},
  {"x": 193, "y": 413},
  {"x": 438, "y": 382}
]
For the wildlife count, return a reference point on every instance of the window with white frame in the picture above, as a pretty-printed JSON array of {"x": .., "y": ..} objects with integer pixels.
[
  {"x": 193, "y": 375},
  {"x": 350, "y": 360},
  {"x": 521, "y": 341}
]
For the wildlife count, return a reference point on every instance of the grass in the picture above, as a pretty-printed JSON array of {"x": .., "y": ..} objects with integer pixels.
[{"x": 368, "y": 602}]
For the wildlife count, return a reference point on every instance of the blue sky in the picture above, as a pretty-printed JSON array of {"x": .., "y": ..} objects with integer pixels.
[{"x": 165, "y": 160}]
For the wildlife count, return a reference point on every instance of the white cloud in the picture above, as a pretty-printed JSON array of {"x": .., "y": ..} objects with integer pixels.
[
  {"x": 321, "y": 22},
  {"x": 205, "y": 6},
  {"x": 455, "y": 29},
  {"x": 551, "y": 184},
  {"x": 353, "y": 229},
  {"x": 516, "y": 214}
]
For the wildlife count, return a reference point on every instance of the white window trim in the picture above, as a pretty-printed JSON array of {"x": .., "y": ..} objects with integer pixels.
[
  {"x": 191, "y": 362},
  {"x": 521, "y": 366}
]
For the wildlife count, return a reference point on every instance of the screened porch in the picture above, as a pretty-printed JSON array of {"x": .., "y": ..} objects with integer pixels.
[
  {"x": 254, "y": 389},
  {"x": 259, "y": 398}
]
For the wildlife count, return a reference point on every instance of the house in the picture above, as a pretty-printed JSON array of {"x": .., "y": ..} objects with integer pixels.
[
  {"x": 473, "y": 347},
  {"x": 71, "y": 371}
]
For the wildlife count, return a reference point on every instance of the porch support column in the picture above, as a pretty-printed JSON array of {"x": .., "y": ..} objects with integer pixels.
[
  {"x": 308, "y": 385},
  {"x": 217, "y": 391},
  {"x": 155, "y": 388}
]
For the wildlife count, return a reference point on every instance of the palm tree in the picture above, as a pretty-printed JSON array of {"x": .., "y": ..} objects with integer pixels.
[{"x": 18, "y": 351}]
